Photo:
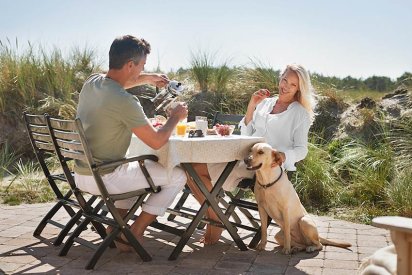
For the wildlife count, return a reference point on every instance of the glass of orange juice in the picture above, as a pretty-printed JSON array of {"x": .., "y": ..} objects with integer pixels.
[{"x": 181, "y": 129}]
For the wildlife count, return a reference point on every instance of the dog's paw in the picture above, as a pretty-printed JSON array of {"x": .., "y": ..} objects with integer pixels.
[
  {"x": 261, "y": 246},
  {"x": 312, "y": 248},
  {"x": 296, "y": 249},
  {"x": 286, "y": 251}
]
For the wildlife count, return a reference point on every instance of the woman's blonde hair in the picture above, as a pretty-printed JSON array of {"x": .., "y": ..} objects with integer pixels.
[{"x": 306, "y": 93}]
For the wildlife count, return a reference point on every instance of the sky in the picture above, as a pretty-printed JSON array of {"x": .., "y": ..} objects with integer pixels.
[{"x": 359, "y": 38}]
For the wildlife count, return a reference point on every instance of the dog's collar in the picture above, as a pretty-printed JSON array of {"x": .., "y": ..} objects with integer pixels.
[{"x": 273, "y": 182}]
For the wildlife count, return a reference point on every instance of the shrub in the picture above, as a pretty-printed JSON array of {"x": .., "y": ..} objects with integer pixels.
[
  {"x": 366, "y": 169},
  {"x": 399, "y": 193},
  {"x": 7, "y": 158},
  {"x": 315, "y": 180}
]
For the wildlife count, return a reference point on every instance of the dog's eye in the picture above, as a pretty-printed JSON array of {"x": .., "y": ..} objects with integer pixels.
[{"x": 260, "y": 152}]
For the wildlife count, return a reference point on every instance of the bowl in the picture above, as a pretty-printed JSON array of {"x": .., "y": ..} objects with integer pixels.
[{"x": 224, "y": 129}]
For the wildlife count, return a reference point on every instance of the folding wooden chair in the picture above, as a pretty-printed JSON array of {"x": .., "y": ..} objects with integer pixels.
[
  {"x": 70, "y": 143},
  {"x": 43, "y": 148}
]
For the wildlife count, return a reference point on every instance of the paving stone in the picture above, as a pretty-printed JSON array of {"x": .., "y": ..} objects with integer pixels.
[
  {"x": 182, "y": 270},
  {"x": 6, "y": 249},
  {"x": 21, "y": 259},
  {"x": 334, "y": 271},
  {"x": 233, "y": 266},
  {"x": 268, "y": 269},
  {"x": 9, "y": 267},
  {"x": 291, "y": 270},
  {"x": 341, "y": 256},
  {"x": 306, "y": 262},
  {"x": 44, "y": 268},
  {"x": 21, "y": 252},
  {"x": 336, "y": 264},
  {"x": 20, "y": 242}
]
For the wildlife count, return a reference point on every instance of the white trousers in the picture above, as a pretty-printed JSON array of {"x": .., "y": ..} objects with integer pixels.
[
  {"x": 238, "y": 173},
  {"x": 129, "y": 177}
]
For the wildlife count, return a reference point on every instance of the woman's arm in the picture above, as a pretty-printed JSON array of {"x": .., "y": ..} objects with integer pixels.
[{"x": 255, "y": 99}]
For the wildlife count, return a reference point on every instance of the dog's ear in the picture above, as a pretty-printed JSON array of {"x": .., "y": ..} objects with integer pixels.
[{"x": 277, "y": 158}]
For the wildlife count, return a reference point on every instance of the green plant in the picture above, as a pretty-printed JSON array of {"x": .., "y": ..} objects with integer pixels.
[
  {"x": 7, "y": 158},
  {"x": 400, "y": 137},
  {"x": 399, "y": 193},
  {"x": 366, "y": 169},
  {"x": 202, "y": 69},
  {"x": 315, "y": 181},
  {"x": 33, "y": 73},
  {"x": 29, "y": 185},
  {"x": 221, "y": 77},
  {"x": 261, "y": 76}
]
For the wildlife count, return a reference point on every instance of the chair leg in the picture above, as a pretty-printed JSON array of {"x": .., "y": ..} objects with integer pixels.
[
  {"x": 75, "y": 234},
  {"x": 102, "y": 247},
  {"x": 249, "y": 217},
  {"x": 67, "y": 228},
  {"x": 256, "y": 239},
  {"x": 45, "y": 219},
  {"x": 178, "y": 205},
  {"x": 233, "y": 213},
  {"x": 136, "y": 245}
]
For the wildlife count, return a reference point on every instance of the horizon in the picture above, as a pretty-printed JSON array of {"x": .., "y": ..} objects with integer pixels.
[{"x": 353, "y": 38}]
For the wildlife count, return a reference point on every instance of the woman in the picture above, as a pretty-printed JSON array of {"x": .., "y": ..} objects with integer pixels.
[{"x": 284, "y": 122}]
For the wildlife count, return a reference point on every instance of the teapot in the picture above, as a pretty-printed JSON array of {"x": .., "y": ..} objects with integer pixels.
[{"x": 165, "y": 97}]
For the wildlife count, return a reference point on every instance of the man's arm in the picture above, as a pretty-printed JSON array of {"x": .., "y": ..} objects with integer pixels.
[
  {"x": 158, "y": 80},
  {"x": 157, "y": 138}
]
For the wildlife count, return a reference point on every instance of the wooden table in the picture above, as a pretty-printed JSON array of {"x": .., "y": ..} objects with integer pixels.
[{"x": 184, "y": 151}]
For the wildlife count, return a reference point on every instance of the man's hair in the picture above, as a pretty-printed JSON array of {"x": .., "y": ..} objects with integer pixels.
[{"x": 126, "y": 48}]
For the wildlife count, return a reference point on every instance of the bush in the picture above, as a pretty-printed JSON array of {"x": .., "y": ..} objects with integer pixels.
[
  {"x": 366, "y": 169},
  {"x": 315, "y": 180},
  {"x": 399, "y": 193}
]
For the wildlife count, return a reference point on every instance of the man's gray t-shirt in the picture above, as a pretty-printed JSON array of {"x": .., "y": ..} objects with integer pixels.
[{"x": 108, "y": 114}]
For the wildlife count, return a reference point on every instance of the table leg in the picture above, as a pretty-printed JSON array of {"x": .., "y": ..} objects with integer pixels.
[{"x": 210, "y": 200}]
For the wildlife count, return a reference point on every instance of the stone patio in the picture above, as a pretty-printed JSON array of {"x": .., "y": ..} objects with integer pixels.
[{"x": 21, "y": 253}]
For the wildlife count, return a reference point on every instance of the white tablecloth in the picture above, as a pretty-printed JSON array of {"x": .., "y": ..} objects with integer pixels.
[{"x": 209, "y": 149}]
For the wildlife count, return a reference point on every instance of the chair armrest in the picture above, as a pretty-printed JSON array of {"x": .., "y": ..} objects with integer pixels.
[
  {"x": 394, "y": 223},
  {"x": 116, "y": 163}
]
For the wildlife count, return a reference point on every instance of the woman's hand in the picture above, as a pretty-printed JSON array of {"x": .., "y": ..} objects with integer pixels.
[{"x": 258, "y": 96}]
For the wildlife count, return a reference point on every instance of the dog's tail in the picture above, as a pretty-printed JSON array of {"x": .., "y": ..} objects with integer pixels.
[{"x": 337, "y": 243}]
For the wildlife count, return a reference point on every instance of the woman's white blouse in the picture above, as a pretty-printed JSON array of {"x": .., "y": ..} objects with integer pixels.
[{"x": 286, "y": 132}]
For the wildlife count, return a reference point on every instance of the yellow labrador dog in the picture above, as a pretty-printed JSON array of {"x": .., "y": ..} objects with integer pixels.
[{"x": 276, "y": 197}]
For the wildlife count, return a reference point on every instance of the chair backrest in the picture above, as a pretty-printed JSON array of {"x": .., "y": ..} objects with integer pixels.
[
  {"x": 230, "y": 119},
  {"x": 43, "y": 148},
  {"x": 68, "y": 146},
  {"x": 70, "y": 142}
]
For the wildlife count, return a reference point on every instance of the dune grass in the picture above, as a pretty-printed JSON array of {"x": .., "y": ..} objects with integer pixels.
[{"x": 31, "y": 74}]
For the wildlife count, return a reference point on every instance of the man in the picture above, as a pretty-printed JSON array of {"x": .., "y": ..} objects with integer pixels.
[{"x": 110, "y": 115}]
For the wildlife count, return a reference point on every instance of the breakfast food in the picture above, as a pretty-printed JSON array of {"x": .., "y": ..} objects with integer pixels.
[
  {"x": 224, "y": 130},
  {"x": 158, "y": 121}
]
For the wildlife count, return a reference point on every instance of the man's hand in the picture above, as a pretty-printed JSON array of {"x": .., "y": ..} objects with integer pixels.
[
  {"x": 180, "y": 111},
  {"x": 161, "y": 80},
  {"x": 158, "y": 80}
]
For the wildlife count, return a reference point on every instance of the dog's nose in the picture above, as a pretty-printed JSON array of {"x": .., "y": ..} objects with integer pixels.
[{"x": 247, "y": 160}]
